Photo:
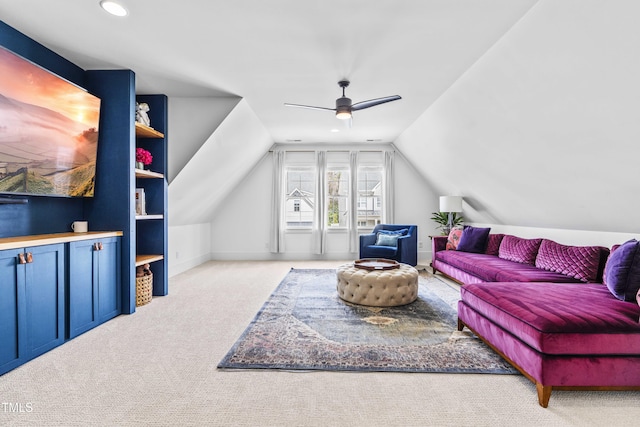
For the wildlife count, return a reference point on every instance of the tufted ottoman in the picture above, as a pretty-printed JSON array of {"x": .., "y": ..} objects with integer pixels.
[{"x": 380, "y": 288}]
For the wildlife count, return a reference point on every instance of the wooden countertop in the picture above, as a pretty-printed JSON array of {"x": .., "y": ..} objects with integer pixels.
[{"x": 48, "y": 239}]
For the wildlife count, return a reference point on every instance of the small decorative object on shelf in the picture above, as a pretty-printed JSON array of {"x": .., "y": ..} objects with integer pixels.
[
  {"x": 144, "y": 285},
  {"x": 141, "y": 208},
  {"x": 143, "y": 158},
  {"x": 141, "y": 113}
]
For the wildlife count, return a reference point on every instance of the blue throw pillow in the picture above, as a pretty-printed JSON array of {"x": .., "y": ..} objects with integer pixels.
[
  {"x": 385, "y": 239},
  {"x": 473, "y": 239},
  {"x": 401, "y": 232},
  {"x": 622, "y": 274}
]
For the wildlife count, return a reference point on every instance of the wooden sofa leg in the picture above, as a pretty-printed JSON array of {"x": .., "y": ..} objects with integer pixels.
[
  {"x": 544, "y": 394},
  {"x": 460, "y": 325}
]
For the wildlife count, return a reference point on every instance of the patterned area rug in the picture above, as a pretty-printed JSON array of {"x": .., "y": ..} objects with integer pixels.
[{"x": 304, "y": 325}]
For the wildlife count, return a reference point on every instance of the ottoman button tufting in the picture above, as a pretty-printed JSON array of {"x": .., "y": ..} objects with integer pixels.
[{"x": 384, "y": 288}]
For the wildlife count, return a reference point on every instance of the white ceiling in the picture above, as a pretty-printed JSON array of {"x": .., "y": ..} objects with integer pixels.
[{"x": 272, "y": 52}]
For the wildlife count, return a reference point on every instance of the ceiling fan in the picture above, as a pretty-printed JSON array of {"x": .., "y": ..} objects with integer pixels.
[{"x": 344, "y": 107}]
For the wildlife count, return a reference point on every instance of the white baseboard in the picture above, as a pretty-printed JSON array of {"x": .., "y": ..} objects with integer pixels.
[{"x": 180, "y": 267}]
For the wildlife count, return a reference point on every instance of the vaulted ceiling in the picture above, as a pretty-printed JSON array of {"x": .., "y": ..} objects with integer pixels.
[
  {"x": 272, "y": 52},
  {"x": 527, "y": 108}
]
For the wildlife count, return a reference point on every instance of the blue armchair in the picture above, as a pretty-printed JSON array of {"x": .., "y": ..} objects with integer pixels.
[{"x": 405, "y": 252}]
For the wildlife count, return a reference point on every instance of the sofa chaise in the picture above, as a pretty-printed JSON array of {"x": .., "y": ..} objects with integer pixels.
[{"x": 557, "y": 323}]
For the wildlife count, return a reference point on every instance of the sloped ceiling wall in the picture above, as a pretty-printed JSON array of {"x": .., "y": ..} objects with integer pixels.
[
  {"x": 543, "y": 130},
  {"x": 192, "y": 120},
  {"x": 226, "y": 156}
]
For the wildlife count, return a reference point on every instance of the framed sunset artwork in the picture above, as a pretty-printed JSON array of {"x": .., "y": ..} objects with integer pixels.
[{"x": 48, "y": 132}]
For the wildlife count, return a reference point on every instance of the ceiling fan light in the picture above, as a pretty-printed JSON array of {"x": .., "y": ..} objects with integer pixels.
[{"x": 343, "y": 113}]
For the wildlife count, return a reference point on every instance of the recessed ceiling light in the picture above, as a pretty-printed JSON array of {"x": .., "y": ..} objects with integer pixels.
[
  {"x": 113, "y": 8},
  {"x": 335, "y": 130}
]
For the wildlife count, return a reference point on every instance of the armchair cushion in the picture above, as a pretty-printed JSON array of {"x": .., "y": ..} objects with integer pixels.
[
  {"x": 401, "y": 232},
  {"x": 385, "y": 239},
  {"x": 373, "y": 251}
]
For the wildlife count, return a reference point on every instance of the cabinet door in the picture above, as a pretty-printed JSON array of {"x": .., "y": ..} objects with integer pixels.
[
  {"x": 83, "y": 287},
  {"x": 12, "y": 311},
  {"x": 109, "y": 292},
  {"x": 44, "y": 296}
]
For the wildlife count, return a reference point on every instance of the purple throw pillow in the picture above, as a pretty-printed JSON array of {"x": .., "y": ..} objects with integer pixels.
[
  {"x": 473, "y": 239},
  {"x": 604, "y": 273},
  {"x": 623, "y": 271},
  {"x": 493, "y": 244},
  {"x": 520, "y": 250},
  {"x": 580, "y": 262}
]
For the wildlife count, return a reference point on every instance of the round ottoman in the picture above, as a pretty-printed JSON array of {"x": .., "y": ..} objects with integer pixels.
[{"x": 379, "y": 288}]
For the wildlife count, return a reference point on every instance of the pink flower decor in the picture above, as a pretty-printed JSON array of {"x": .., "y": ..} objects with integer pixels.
[{"x": 143, "y": 156}]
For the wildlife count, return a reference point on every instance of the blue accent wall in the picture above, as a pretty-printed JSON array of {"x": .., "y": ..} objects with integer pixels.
[
  {"x": 41, "y": 214},
  {"x": 113, "y": 206}
]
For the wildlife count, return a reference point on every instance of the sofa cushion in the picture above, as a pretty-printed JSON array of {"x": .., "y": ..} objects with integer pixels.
[
  {"x": 623, "y": 271},
  {"x": 490, "y": 268},
  {"x": 580, "y": 262},
  {"x": 519, "y": 272},
  {"x": 493, "y": 244},
  {"x": 483, "y": 266},
  {"x": 594, "y": 323},
  {"x": 516, "y": 249},
  {"x": 604, "y": 273},
  {"x": 473, "y": 239},
  {"x": 453, "y": 239}
]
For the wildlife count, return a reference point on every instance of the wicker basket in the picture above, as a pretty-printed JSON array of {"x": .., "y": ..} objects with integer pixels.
[{"x": 144, "y": 287}]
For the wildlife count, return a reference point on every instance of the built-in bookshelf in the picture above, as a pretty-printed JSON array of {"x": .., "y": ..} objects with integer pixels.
[{"x": 151, "y": 224}]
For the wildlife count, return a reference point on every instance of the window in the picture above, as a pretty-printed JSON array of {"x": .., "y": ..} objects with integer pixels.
[
  {"x": 337, "y": 197},
  {"x": 369, "y": 196},
  {"x": 301, "y": 207},
  {"x": 299, "y": 201}
]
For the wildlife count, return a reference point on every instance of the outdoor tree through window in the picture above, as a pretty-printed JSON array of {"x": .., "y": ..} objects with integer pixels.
[
  {"x": 369, "y": 196},
  {"x": 338, "y": 197}
]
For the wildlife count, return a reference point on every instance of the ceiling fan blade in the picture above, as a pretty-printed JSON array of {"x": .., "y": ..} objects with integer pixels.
[
  {"x": 309, "y": 107},
  {"x": 373, "y": 102}
]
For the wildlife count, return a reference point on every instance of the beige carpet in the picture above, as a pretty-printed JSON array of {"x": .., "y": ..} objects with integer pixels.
[{"x": 158, "y": 367}]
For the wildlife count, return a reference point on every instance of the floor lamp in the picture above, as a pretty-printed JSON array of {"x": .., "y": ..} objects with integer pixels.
[{"x": 450, "y": 204}]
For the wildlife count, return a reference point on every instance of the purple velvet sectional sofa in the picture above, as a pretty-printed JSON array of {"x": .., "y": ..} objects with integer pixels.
[{"x": 544, "y": 307}]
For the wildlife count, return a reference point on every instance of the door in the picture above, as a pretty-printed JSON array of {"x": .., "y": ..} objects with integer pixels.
[
  {"x": 109, "y": 299},
  {"x": 12, "y": 311},
  {"x": 83, "y": 287},
  {"x": 44, "y": 297}
]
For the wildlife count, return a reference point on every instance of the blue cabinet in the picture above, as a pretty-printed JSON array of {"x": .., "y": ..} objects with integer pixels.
[
  {"x": 94, "y": 283},
  {"x": 12, "y": 312},
  {"x": 32, "y": 303}
]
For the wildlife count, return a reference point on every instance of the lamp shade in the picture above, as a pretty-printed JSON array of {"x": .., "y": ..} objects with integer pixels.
[{"x": 450, "y": 203}]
